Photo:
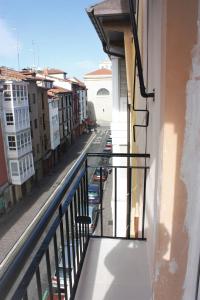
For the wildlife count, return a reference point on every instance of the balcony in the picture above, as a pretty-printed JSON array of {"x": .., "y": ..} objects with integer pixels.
[{"x": 74, "y": 254}]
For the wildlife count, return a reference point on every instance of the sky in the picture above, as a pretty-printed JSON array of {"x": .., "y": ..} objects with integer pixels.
[{"x": 54, "y": 34}]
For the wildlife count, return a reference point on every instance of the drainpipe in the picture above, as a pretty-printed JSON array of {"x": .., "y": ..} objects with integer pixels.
[{"x": 143, "y": 92}]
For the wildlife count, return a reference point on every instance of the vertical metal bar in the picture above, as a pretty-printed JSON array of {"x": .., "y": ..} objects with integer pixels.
[
  {"x": 86, "y": 193},
  {"x": 84, "y": 208},
  {"x": 57, "y": 267},
  {"x": 79, "y": 225},
  {"x": 72, "y": 218},
  {"x": 76, "y": 229},
  {"x": 49, "y": 274},
  {"x": 197, "y": 282},
  {"x": 144, "y": 202},
  {"x": 69, "y": 252},
  {"x": 115, "y": 203},
  {"x": 39, "y": 286},
  {"x": 82, "y": 211},
  {"x": 128, "y": 227},
  {"x": 101, "y": 201},
  {"x": 63, "y": 251},
  {"x": 25, "y": 297}
]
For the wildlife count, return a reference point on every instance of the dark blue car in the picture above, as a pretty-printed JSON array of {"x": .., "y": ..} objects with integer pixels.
[{"x": 94, "y": 193}]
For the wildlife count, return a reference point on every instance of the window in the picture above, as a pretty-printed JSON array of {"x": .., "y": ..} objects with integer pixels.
[
  {"x": 103, "y": 92},
  {"x": 34, "y": 99},
  {"x": 9, "y": 119},
  {"x": 7, "y": 95},
  {"x": 11, "y": 142},
  {"x": 45, "y": 142},
  {"x": 14, "y": 169},
  {"x": 42, "y": 101},
  {"x": 18, "y": 142},
  {"x": 38, "y": 148},
  {"x": 35, "y": 123},
  {"x": 43, "y": 120}
]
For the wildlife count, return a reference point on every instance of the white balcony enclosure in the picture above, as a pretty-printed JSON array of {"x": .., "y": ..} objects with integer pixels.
[{"x": 21, "y": 170}]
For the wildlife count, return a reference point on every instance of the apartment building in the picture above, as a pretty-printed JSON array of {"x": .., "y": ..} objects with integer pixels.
[
  {"x": 5, "y": 186},
  {"x": 17, "y": 131},
  {"x": 53, "y": 100},
  {"x": 65, "y": 115},
  {"x": 80, "y": 103}
]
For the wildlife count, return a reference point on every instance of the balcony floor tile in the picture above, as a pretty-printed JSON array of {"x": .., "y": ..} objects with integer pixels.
[{"x": 115, "y": 270}]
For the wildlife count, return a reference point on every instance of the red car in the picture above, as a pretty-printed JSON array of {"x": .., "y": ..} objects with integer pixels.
[{"x": 96, "y": 175}]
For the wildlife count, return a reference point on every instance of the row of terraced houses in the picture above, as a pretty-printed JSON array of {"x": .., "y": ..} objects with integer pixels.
[{"x": 41, "y": 114}]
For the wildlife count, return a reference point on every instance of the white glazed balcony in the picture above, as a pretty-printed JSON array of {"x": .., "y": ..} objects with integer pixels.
[
  {"x": 13, "y": 154},
  {"x": 20, "y": 179}
]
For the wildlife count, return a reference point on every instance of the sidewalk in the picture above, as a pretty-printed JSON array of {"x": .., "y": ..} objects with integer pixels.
[{"x": 13, "y": 224}]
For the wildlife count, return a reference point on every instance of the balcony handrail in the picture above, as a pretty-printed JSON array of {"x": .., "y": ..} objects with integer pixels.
[
  {"x": 70, "y": 201},
  {"x": 14, "y": 269},
  {"x": 126, "y": 155}
]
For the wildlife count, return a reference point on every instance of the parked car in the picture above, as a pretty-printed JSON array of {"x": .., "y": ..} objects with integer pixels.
[
  {"x": 109, "y": 140},
  {"x": 96, "y": 175},
  {"x": 93, "y": 214},
  {"x": 94, "y": 193},
  {"x": 108, "y": 146},
  {"x": 62, "y": 269},
  {"x": 107, "y": 149}
]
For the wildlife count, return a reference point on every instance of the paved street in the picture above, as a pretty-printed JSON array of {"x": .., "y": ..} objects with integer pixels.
[{"x": 16, "y": 221}]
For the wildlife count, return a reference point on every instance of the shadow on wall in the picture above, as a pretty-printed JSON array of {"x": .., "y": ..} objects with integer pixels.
[{"x": 91, "y": 111}]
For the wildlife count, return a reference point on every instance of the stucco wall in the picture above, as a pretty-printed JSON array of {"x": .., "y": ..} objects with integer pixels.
[
  {"x": 170, "y": 43},
  {"x": 101, "y": 105}
]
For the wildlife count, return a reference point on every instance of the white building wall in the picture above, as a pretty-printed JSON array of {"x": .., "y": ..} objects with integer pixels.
[
  {"x": 54, "y": 123},
  {"x": 16, "y": 128},
  {"x": 58, "y": 81},
  {"x": 119, "y": 140},
  {"x": 82, "y": 94},
  {"x": 99, "y": 107}
]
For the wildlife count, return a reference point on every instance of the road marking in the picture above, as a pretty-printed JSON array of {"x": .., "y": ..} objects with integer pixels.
[{"x": 5, "y": 263}]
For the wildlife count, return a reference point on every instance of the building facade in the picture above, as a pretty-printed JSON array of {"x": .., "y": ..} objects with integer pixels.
[
  {"x": 5, "y": 187},
  {"x": 99, "y": 89},
  {"x": 17, "y": 132},
  {"x": 145, "y": 40}
]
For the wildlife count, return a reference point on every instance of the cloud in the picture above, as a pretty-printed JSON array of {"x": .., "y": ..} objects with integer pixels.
[{"x": 8, "y": 46}]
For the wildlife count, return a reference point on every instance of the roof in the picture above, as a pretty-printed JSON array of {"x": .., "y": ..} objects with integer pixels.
[
  {"x": 100, "y": 72},
  {"x": 58, "y": 90},
  {"x": 10, "y": 74},
  {"x": 108, "y": 7},
  {"x": 52, "y": 71},
  {"x": 77, "y": 81}
]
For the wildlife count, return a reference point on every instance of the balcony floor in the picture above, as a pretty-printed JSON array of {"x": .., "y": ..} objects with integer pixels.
[{"x": 114, "y": 270}]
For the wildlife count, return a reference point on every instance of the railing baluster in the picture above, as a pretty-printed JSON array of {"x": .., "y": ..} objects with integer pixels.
[
  {"x": 69, "y": 252},
  {"x": 101, "y": 201},
  {"x": 39, "y": 286},
  {"x": 72, "y": 218},
  {"x": 115, "y": 203},
  {"x": 82, "y": 212},
  {"x": 144, "y": 202},
  {"x": 128, "y": 227},
  {"x": 49, "y": 274},
  {"x": 86, "y": 193},
  {"x": 25, "y": 297},
  {"x": 57, "y": 266},
  {"x": 76, "y": 229},
  {"x": 64, "y": 262},
  {"x": 79, "y": 225}
]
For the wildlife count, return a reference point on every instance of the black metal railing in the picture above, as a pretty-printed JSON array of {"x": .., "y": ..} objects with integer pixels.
[{"x": 50, "y": 261}]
